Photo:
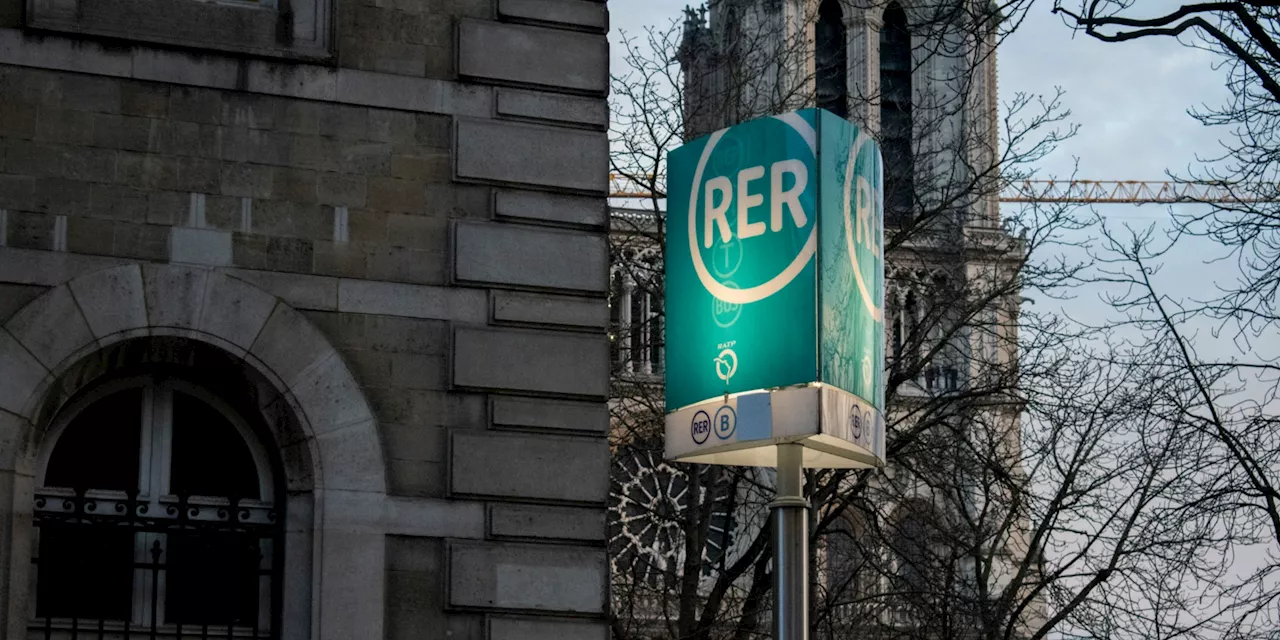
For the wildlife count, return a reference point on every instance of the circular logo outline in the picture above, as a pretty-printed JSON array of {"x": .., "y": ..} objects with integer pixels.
[
  {"x": 694, "y": 434},
  {"x": 733, "y": 427},
  {"x": 761, "y": 291},
  {"x": 715, "y": 317},
  {"x": 730, "y": 353},
  {"x": 877, "y": 313},
  {"x": 728, "y": 273}
]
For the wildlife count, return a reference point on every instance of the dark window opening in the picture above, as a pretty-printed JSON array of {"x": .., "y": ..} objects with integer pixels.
[
  {"x": 123, "y": 546},
  {"x": 895, "y": 115},
  {"x": 831, "y": 64},
  {"x": 84, "y": 572},
  {"x": 213, "y": 578},
  {"x": 209, "y": 456},
  {"x": 99, "y": 448}
]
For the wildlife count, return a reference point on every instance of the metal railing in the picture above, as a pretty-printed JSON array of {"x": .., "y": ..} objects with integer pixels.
[{"x": 116, "y": 565}]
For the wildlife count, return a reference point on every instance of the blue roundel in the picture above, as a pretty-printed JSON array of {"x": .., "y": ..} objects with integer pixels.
[
  {"x": 726, "y": 422},
  {"x": 700, "y": 428}
]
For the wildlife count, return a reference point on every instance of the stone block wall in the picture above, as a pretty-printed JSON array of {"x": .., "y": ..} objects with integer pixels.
[{"x": 427, "y": 191}]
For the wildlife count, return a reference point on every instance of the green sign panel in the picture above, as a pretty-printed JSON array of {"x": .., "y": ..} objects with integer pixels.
[{"x": 774, "y": 266}]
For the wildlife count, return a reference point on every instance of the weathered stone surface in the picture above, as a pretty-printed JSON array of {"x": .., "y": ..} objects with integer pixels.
[
  {"x": 518, "y": 54},
  {"x": 513, "y": 628},
  {"x": 290, "y": 345},
  {"x": 352, "y": 461},
  {"x": 241, "y": 29},
  {"x": 536, "y": 105},
  {"x": 578, "y": 13},
  {"x": 48, "y": 268},
  {"x": 415, "y": 590},
  {"x": 528, "y": 577},
  {"x": 553, "y": 415},
  {"x": 14, "y": 297},
  {"x": 200, "y": 246},
  {"x": 548, "y": 207},
  {"x": 299, "y": 290},
  {"x": 62, "y": 53},
  {"x": 22, "y": 375},
  {"x": 13, "y": 430},
  {"x": 412, "y": 301},
  {"x": 235, "y": 310},
  {"x": 434, "y": 518},
  {"x": 351, "y": 600},
  {"x": 560, "y": 363},
  {"x": 545, "y": 157},
  {"x": 530, "y": 257},
  {"x": 529, "y": 466},
  {"x": 536, "y": 309},
  {"x": 416, "y": 478},
  {"x": 51, "y": 327},
  {"x": 553, "y": 523},
  {"x": 112, "y": 300},
  {"x": 175, "y": 295},
  {"x": 328, "y": 391},
  {"x": 312, "y": 82}
]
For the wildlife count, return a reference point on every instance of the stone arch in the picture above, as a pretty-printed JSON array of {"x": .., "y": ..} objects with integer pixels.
[
  {"x": 44, "y": 348},
  {"x": 872, "y": 11}
]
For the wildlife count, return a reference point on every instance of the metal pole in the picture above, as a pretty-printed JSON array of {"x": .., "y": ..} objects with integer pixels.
[{"x": 790, "y": 548}]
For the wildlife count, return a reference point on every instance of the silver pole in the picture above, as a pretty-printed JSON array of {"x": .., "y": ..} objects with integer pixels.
[{"x": 790, "y": 548}]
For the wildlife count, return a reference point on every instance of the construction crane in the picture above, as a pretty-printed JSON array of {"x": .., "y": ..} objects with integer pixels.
[{"x": 1079, "y": 192}]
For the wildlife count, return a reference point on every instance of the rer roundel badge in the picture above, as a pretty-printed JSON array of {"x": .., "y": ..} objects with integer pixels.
[{"x": 700, "y": 427}]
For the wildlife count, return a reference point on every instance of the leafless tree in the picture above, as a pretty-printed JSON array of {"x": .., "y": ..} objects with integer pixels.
[
  {"x": 1214, "y": 351},
  {"x": 1029, "y": 489}
]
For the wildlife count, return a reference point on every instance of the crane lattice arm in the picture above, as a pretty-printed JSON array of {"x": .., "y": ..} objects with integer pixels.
[
  {"x": 1080, "y": 192},
  {"x": 1136, "y": 192}
]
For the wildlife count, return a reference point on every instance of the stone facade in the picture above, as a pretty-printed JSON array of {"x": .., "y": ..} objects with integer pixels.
[{"x": 389, "y": 218}]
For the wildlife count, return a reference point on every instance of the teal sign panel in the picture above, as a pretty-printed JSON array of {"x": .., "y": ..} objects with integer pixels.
[{"x": 774, "y": 260}]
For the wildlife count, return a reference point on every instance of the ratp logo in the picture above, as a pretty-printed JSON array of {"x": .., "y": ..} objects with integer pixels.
[{"x": 728, "y": 212}]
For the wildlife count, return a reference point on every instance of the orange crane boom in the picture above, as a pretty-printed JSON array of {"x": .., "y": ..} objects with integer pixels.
[
  {"x": 1136, "y": 192},
  {"x": 1080, "y": 192}
]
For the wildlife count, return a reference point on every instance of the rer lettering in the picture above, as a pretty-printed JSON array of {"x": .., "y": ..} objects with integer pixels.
[
  {"x": 868, "y": 224},
  {"x": 721, "y": 196}
]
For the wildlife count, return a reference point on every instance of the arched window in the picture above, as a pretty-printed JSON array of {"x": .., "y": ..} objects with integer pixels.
[
  {"x": 849, "y": 574},
  {"x": 908, "y": 340},
  {"x": 156, "y": 513},
  {"x": 831, "y": 63},
  {"x": 913, "y": 547},
  {"x": 895, "y": 114}
]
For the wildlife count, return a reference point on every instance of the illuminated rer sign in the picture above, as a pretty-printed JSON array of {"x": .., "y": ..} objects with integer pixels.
[{"x": 774, "y": 293}]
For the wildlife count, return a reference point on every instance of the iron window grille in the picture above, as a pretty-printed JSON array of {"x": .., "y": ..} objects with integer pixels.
[{"x": 193, "y": 548}]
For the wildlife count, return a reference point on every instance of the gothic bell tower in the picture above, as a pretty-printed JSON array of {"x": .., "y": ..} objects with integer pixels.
[{"x": 919, "y": 75}]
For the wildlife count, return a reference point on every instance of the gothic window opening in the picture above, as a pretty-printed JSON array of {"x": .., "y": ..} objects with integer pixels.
[
  {"x": 155, "y": 515},
  {"x": 908, "y": 329},
  {"x": 831, "y": 63},
  {"x": 850, "y": 576},
  {"x": 895, "y": 115},
  {"x": 915, "y": 537}
]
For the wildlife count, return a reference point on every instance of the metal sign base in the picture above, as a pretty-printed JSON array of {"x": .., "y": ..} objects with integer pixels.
[{"x": 790, "y": 547}]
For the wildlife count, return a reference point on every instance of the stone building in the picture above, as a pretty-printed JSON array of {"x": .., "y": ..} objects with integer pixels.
[
  {"x": 302, "y": 319},
  {"x": 921, "y": 76}
]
